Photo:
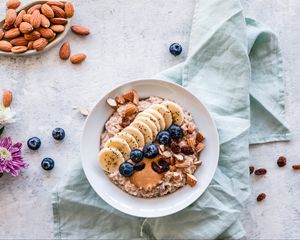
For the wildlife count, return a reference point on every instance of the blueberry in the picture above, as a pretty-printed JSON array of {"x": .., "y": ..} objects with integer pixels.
[
  {"x": 34, "y": 143},
  {"x": 163, "y": 137},
  {"x": 175, "y": 49},
  {"x": 150, "y": 151},
  {"x": 136, "y": 155},
  {"x": 47, "y": 164},
  {"x": 126, "y": 169},
  {"x": 175, "y": 132},
  {"x": 58, "y": 134}
]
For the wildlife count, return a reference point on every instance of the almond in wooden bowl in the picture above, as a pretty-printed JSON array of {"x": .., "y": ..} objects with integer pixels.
[{"x": 38, "y": 26}]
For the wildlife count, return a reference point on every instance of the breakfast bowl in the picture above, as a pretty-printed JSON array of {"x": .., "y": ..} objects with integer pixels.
[{"x": 192, "y": 167}]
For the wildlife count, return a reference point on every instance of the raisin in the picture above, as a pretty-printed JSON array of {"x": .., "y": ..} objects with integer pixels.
[
  {"x": 251, "y": 169},
  {"x": 125, "y": 122},
  {"x": 261, "y": 197},
  {"x": 163, "y": 163},
  {"x": 281, "y": 162},
  {"x": 296, "y": 167},
  {"x": 155, "y": 167},
  {"x": 260, "y": 171},
  {"x": 175, "y": 148},
  {"x": 187, "y": 150},
  {"x": 139, "y": 167}
]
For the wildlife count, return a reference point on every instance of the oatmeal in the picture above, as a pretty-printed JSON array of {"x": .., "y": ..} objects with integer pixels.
[{"x": 150, "y": 147}]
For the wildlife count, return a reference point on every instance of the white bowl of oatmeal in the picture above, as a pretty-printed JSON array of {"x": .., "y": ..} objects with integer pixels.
[{"x": 149, "y": 148}]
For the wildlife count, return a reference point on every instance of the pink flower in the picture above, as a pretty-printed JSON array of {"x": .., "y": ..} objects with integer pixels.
[{"x": 11, "y": 160}]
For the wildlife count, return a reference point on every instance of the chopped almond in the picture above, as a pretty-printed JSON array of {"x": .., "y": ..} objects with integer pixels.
[
  {"x": 200, "y": 147},
  {"x": 191, "y": 180}
]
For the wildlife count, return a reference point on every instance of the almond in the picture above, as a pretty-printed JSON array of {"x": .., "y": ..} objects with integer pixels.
[
  {"x": 167, "y": 154},
  {"x": 78, "y": 58},
  {"x": 199, "y": 147},
  {"x": 80, "y": 30},
  {"x": 6, "y": 26},
  {"x": 19, "y": 49},
  {"x": 179, "y": 157},
  {"x": 1, "y": 34},
  {"x": 112, "y": 103},
  {"x": 36, "y": 19},
  {"x": 30, "y": 45},
  {"x": 129, "y": 110},
  {"x": 25, "y": 27},
  {"x": 32, "y": 36},
  {"x": 56, "y": 3},
  {"x": 199, "y": 137},
  {"x": 40, "y": 44},
  {"x": 57, "y": 28},
  {"x": 45, "y": 21},
  {"x": 296, "y": 167},
  {"x": 5, "y": 46},
  {"x": 46, "y": 32},
  {"x": 191, "y": 128},
  {"x": 19, "y": 18},
  {"x": 47, "y": 11},
  {"x": 12, "y": 33},
  {"x": 182, "y": 165},
  {"x": 172, "y": 161},
  {"x": 33, "y": 8},
  {"x": 129, "y": 95},
  {"x": 7, "y": 98},
  {"x": 51, "y": 39},
  {"x": 84, "y": 111},
  {"x": 198, "y": 162},
  {"x": 69, "y": 9},
  {"x": 120, "y": 100},
  {"x": 60, "y": 21},
  {"x": 19, "y": 41},
  {"x": 65, "y": 51},
  {"x": 191, "y": 142},
  {"x": 11, "y": 16},
  {"x": 27, "y": 18},
  {"x": 191, "y": 180},
  {"x": 136, "y": 98},
  {"x": 58, "y": 12},
  {"x": 13, "y": 4}
]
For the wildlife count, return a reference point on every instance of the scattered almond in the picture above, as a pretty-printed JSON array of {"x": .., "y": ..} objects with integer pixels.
[
  {"x": 5, "y": 46},
  {"x": 40, "y": 44},
  {"x": 296, "y": 167},
  {"x": 129, "y": 110},
  {"x": 200, "y": 146},
  {"x": 13, "y": 4},
  {"x": 32, "y": 36},
  {"x": 25, "y": 27},
  {"x": 69, "y": 9},
  {"x": 33, "y": 8},
  {"x": 19, "y": 41},
  {"x": 112, "y": 103},
  {"x": 19, "y": 18},
  {"x": 120, "y": 100},
  {"x": 80, "y": 30},
  {"x": 78, "y": 58},
  {"x": 65, "y": 51},
  {"x": 191, "y": 180},
  {"x": 19, "y": 49},
  {"x": 84, "y": 111},
  {"x": 57, "y": 28},
  {"x": 47, "y": 11},
  {"x": 58, "y": 12},
  {"x": 7, "y": 98},
  {"x": 11, "y": 16},
  {"x": 12, "y": 33}
]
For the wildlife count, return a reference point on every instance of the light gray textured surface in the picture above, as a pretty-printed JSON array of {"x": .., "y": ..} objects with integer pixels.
[{"x": 130, "y": 40}]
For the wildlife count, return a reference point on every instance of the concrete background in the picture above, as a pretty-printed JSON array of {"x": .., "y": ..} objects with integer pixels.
[{"x": 130, "y": 40}]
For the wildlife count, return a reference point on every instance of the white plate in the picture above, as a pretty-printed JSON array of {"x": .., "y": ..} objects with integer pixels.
[{"x": 161, "y": 206}]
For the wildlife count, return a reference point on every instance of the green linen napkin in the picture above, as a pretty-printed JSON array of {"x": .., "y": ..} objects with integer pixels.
[{"x": 234, "y": 67}]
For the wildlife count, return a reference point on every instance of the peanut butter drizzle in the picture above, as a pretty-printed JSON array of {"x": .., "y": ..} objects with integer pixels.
[{"x": 146, "y": 179}]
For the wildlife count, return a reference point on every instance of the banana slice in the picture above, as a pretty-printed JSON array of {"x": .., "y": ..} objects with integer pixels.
[
  {"x": 119, "y": 144},
  {"x": 131, "y": 141},
  {"x": 165, "y": 112},
  {"x": 151, "y": 117},
  {"x": 158, "y": 116},
  {"x": 150, "y": 124},
  {"x": 110, "y": 159},
  {"x": 144, "y": 129},
  {"x": 176, "y": 111},
  {"x": 136, "y": 134}
]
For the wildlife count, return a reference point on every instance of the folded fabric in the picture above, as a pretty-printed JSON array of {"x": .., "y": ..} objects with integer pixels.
[{"x": 234, "y": 67}]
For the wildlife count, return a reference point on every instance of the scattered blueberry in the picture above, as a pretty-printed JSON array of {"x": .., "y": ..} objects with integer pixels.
[
  {"x": 139, "y": 167},
  {"x": 163, "y": 137},
  {"x": 136, "y": 155},
  {"x": 150, "y": 151},
  {"x": 34, "y": 143},
  {"x": 47, "y": 164},
  {"x": 175, "y": 132},
  {"x": 175, "y": 49},
  {"x": 58, "y": 134},
  {"x": 126, "y": 169}
]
